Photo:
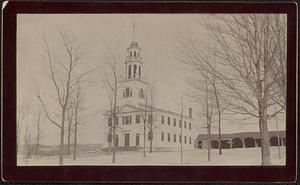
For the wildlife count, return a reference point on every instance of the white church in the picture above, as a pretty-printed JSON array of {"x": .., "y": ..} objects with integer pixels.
[{"x": 167, "y": 126}]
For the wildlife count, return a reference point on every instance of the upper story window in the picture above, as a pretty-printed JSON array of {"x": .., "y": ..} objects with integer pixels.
[
  {"x": 190, "y": 141},
  {"x": 169, "y": 120},
  {"x": 142, "y": 94},
  {"x": 150, "y": 118},
  {"x": 127, "y": 120},
  {"x": 109, "y": 122},
  {"x": 117, "y": 120},
  {"x": 139, "y": 71},
  {"x": 134, "y": 70},
  {"x": 127, "y": 92},
  {"x": 129, "y": 71},
  {"x": 184, "y": 124},
  {"x": 130, "y": 53},
  {"x": 180, "y": 123},
  {"x": 162, "y": 136},
  {"x": 174, "y": 138},
  {"x": 162, "y": 119},
  {"x": 137, "y": 119},
  {"x": 169, "y": 137},
  {"x": 174, "y": 122},
  {"x": 134, "y": 53},
  {"x": 190, "y": 125}
]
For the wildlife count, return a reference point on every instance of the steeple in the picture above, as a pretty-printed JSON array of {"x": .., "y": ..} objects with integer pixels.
[{"x": 133, "y": 59}]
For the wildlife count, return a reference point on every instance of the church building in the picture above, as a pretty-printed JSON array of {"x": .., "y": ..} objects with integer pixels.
[{"x": 163, "y": 127}]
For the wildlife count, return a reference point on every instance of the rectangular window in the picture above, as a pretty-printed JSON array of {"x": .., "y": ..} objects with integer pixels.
[
  {"x": 117, "y": 120},
  {"x": 190, "y": 140},
  {"x": 162, "y": 136},
  {"x": 184, "y": 139},
  {"x": 162, "y": 119},
  {"x": 180, "y": 123},
  {"x": 150, "y": 136},
  {"x": 137, "y": 140},
  {"x": 149, "y": 118},
  {"x": 109, "y": 138},
  {"x": 109, "y": 122},
  {"x": 184, "y": 124},
  {"x": 174, "y": 138},
  {"x": 169, "y": 137},
  {"x": 137, "y": 119},
  {"x": 127, "y": 120},
  {"x": 190, "y": 125},
  {"x": 130, "y": 119},
  {"x": 180, "y": 138},
  {"x": 174, "y": 122},
  {"x": 169, "y": 121}
]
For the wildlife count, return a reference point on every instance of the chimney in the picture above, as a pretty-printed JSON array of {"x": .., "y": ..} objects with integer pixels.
[{"x": 190, "y": 112}]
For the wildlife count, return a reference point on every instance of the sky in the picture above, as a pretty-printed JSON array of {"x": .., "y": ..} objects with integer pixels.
[{"x": 156, "y": 35}]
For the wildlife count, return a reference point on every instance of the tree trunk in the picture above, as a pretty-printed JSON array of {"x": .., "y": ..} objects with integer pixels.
[
  {"x": 69, "y": 136},
  {"x": 220, "y": 135},
  {"x": 114, "y": 142},
  {"x": 62, "y": 134},
  {"x": 145, "y": 136},
  {"x": 38, "y": 135},
  {"x": 208, "y": 141},
  {"x": 75, "y": 140},
  {"x": 151, "y": 139},
  {"x": 265, "y": 144}
]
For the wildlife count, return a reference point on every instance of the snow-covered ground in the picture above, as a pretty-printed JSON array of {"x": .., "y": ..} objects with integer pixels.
[{"x": 196, "y": 157}]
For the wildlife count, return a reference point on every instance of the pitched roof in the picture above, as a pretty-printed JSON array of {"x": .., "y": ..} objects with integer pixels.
[
  {"x": 240, "y": 135},
  {"x": 137, "y": 109}
]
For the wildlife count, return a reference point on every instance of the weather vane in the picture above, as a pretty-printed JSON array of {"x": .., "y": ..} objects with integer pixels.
[{"x": 133, "y": 24}]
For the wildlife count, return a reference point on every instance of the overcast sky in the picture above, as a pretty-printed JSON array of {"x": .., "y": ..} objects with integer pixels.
[{"x": 156, "y": 35}]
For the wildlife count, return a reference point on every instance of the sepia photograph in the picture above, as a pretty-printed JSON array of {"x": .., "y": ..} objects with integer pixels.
[{"x": 151, "y": 89}]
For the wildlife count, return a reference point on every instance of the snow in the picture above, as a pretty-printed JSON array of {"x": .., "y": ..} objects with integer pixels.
[{"x": 195, "y": 157}]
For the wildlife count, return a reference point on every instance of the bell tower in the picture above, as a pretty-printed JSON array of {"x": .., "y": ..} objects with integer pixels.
[
  {"x": 133, "y": 87},
  {"x": 133, "y": 62}
]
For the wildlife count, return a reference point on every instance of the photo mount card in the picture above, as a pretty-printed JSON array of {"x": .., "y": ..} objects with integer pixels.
[{"x": 149, "y": 92}]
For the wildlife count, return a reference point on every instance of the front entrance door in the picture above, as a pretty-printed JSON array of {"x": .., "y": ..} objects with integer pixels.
[{"x": 127, "y": 140}]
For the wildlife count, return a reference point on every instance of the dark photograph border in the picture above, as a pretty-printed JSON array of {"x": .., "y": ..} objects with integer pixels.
[{"x": 12, "y": 172}]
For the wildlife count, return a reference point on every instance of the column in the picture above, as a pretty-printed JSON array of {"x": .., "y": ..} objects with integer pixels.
[
  {"x": 243, "y": 142},
  {"x": 255, "y": 142}
]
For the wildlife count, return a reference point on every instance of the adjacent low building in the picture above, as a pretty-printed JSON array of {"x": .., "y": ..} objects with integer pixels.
[{"x": 240, "y": 140}]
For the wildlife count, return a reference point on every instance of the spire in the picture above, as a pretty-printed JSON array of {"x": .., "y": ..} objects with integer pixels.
[
  {"x": 133, "y": 28},
  {"x": 133, "y": 17}
]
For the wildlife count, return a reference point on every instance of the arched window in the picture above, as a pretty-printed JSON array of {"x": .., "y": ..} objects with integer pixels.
[
  {"x": 139, "y": 71},
  {"x": 127, "y": 92},
  {"x": 134, "y": 70},
  {"x": 129, "y": 71}
]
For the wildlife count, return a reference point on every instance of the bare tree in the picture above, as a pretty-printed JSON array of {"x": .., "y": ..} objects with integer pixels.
[
  {"x": 181, "y": 110},
  {"x": 28, "y": 148},
  {"x": 245, "y": 49},
  {"x": 77, "y": 119},
  {"x": 151, "y": 119},
  {"x": 70, "y": 113},
  {"x": 143, "y": 109},
  {"x": 111, "y": 78},
  {"x": 22, "y": 115},
  {"x": 63, "y": 76},
  {"x": 39, "y": 134}
]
